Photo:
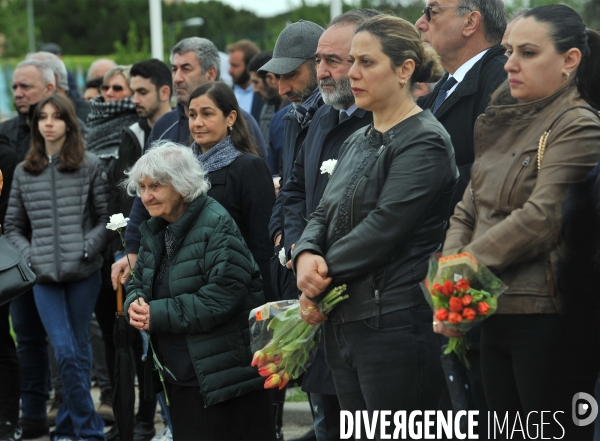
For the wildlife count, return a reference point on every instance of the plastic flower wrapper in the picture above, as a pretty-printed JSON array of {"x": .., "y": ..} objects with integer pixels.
[
  {"x": 462, "y": 293},
  {"x": 283, "y": 343}
]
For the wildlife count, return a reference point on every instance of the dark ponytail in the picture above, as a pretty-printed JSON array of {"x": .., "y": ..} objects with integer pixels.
[{"x": 567, "y": 31}]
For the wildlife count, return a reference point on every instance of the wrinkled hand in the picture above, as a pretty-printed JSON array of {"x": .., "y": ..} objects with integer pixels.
[
  {"x": 122, "y": 265},
  {"x": 439, "y": 328},
  {"x": 314, "y": 317},
  {"x": 139, "y": 315},
  {"x": 311, "y": 273}
]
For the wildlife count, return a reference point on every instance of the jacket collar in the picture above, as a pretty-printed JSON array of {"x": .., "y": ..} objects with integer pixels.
[
  {"x": 469, "y": 84},
  {"x": 512, "y": 110}
]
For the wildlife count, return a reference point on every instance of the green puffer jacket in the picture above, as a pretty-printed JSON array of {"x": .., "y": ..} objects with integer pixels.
[{"x": 214, "y": 283}]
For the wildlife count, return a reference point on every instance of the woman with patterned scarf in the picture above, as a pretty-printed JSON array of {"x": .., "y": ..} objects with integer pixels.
[
  {"x": 240, "y": 179},
  {"x": 111, "y": 113}
]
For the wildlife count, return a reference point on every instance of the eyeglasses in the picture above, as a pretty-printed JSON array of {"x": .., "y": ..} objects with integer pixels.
[
  {"x": 427, "y": 11},
  {"x": 115, "y": 87}
]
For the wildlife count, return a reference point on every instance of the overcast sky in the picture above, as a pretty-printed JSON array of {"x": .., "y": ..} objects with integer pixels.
[{"x": 263, "y": 8}]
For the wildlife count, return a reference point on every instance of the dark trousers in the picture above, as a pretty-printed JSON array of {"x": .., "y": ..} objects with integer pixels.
[
  {"x": 10, "y": 381},
  {"x": 247, "y": 417},
  {"x": 32, "y": 350},
  {"x": 538, "y": 362},
  {"x": 395, "y": 366}
]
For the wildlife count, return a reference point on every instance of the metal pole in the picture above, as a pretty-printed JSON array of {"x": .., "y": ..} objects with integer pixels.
[
  {"x": 30, "y": 26},
  {"x": 335, "y": 8},
  {"x": 156, "y": 31}
]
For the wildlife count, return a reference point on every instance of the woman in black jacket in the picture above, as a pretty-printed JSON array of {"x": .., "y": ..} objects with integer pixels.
[
  {"x": 239, "y": 179},
  {"x": 382, "y": 215},
  {"x": 56, "y": 217}
]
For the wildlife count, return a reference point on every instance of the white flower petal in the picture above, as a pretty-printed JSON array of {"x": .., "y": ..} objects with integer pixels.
[{"x": 117, "y": 221}]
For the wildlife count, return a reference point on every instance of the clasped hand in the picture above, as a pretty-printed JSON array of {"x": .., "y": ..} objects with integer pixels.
[
  {"x": 311, "y": 273},
  {"x": 139, "y": 315}
]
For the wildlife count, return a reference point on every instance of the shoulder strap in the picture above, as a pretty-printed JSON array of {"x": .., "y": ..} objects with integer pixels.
[{"x": 544, "y": 137}]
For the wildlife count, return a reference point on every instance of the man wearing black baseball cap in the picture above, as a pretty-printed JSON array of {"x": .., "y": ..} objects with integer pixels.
[{"x": 293, "y": 62}]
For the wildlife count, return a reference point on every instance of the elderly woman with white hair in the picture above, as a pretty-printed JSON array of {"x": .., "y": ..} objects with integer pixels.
[{"x": 197, "y": 282}]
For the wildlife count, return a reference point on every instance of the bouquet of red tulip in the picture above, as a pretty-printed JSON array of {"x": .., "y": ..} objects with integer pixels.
[
  {"x": 282, "y": 342},
  {"x": 462, "y": 293}
]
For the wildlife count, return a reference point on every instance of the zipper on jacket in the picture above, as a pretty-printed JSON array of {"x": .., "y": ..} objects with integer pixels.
[
  {"x": 352, "y": 202},
  {"x": 377, "y": 310},
  {"x": 380, "y": 150},
  {"x": 524, "y": 166},
  {"x": 55, "y": 214}
]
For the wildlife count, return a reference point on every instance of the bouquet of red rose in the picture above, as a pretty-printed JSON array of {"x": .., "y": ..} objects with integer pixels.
[
  {"x": 462, "y": 293},
  {"x": 283, "y": 343}
]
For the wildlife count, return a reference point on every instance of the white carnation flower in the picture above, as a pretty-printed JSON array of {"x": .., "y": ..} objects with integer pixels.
[
  {"x": 328, "y": 166},
  {"x": 117, "y": 221},
  {"x": 282, "y": 256}
]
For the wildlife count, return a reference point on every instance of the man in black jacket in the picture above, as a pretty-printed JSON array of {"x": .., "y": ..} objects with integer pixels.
[
  {"x": 466, "y": 34},
  {"x": 294, "y": 62},
  {"x": 331, "y": 125}
]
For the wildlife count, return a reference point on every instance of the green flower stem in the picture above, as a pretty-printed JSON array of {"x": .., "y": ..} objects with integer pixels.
[{"x": 158, "y": 367}]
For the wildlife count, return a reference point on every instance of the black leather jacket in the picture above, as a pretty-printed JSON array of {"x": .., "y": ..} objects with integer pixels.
[{"x": 383, "y": 214}]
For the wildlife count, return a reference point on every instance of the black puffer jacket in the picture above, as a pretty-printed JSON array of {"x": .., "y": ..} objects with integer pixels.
[
  {"x": 57, "y": 220},
  {"x": 383, "y": 214}
]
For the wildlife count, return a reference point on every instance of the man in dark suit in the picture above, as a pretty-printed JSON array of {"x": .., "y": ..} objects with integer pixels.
[
  {"x": 332, "y": 124},
  {"x": 466, "y": 34},
  {"x": 240, "y": 54}
]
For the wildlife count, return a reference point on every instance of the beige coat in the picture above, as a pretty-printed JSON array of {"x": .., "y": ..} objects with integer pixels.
[{"x": 510, "y": 214}]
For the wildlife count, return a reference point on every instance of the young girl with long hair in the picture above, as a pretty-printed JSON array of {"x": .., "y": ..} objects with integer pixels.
[{"x": 56, "y": 217}]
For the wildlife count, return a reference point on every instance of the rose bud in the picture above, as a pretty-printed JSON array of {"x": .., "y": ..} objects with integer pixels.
[
  {"x": 284, "y": 380},
  {"x": 448, "y": 288},
  {"x": 466, "y": 299},
  {"x": 483, "y": 308},
  {"x": 456, "y": 304},
  {"x": 436, "y": 289},
  {"x": 267, "y": 370},
  {"x": 259, "y": 358},
  {"x": 441, "y": 314},
  {"x": 273, "y": 381},
  {"x": 463, "y": 285},
  {"x": 469, "y": 314},
  {"x": 454, "y": 317}
]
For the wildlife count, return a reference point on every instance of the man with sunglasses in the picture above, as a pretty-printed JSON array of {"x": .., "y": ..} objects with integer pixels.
[{"x": 466, "y": 34}]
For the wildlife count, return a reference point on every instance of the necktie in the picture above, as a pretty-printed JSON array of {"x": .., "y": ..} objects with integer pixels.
[
  {"x": 449, "y": 84},
  {"x": 343, "y": 116}
]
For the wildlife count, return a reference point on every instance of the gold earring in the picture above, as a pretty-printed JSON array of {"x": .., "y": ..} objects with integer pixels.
[
  {"x": 402, "y": 83},
  {"x": 567, "y": 75}
]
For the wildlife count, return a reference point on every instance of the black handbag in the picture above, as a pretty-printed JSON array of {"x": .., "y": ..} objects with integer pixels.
[{"x": 15, "y": 275}]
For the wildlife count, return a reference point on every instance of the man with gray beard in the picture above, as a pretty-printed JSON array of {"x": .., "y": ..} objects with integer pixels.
[{"x": 331, "y": 125}]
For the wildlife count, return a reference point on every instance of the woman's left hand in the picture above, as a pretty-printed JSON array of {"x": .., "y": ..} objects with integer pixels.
[
  {"x": 439, "y": 328},
  {"x": 139, "y": 315},
  {"x": 309, "y": 312}
]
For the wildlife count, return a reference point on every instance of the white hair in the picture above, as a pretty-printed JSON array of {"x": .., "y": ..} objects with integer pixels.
[
  {"x": 54, "y": 63},
  {"x": 45, "y": 72},
  {"x": 169, "y": 163}
]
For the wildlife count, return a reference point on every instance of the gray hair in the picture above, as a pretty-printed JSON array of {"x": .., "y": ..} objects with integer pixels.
[
  {"x": 493, "y": 13},
  {"x": 45, "y": 71},
  {"x": 169, "y": 163},
  {"x": 54, "y": 63},
  {"x": 205, "y": 50},
  {"x": 119, "y": 70},
  {"x": 353, "y": 17}
]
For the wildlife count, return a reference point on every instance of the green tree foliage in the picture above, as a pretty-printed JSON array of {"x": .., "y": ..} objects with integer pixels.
[{"x": 13, "y": 24}]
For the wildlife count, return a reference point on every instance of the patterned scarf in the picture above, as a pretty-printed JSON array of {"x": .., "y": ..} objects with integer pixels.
[
  {"x": 217, "y": 157},
  {"x": 170, "y": 242},
  {"x": 106, "y": 123},
  {"x": 305, "y": 111}
]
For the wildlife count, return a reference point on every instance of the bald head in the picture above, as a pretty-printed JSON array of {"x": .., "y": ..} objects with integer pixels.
[{"x": 99, "y": 68}]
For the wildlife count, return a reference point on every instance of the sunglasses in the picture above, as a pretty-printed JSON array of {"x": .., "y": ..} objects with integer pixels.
[
  {"x": 427, "y": 11},
  {"x": 115, "y": 87}
]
